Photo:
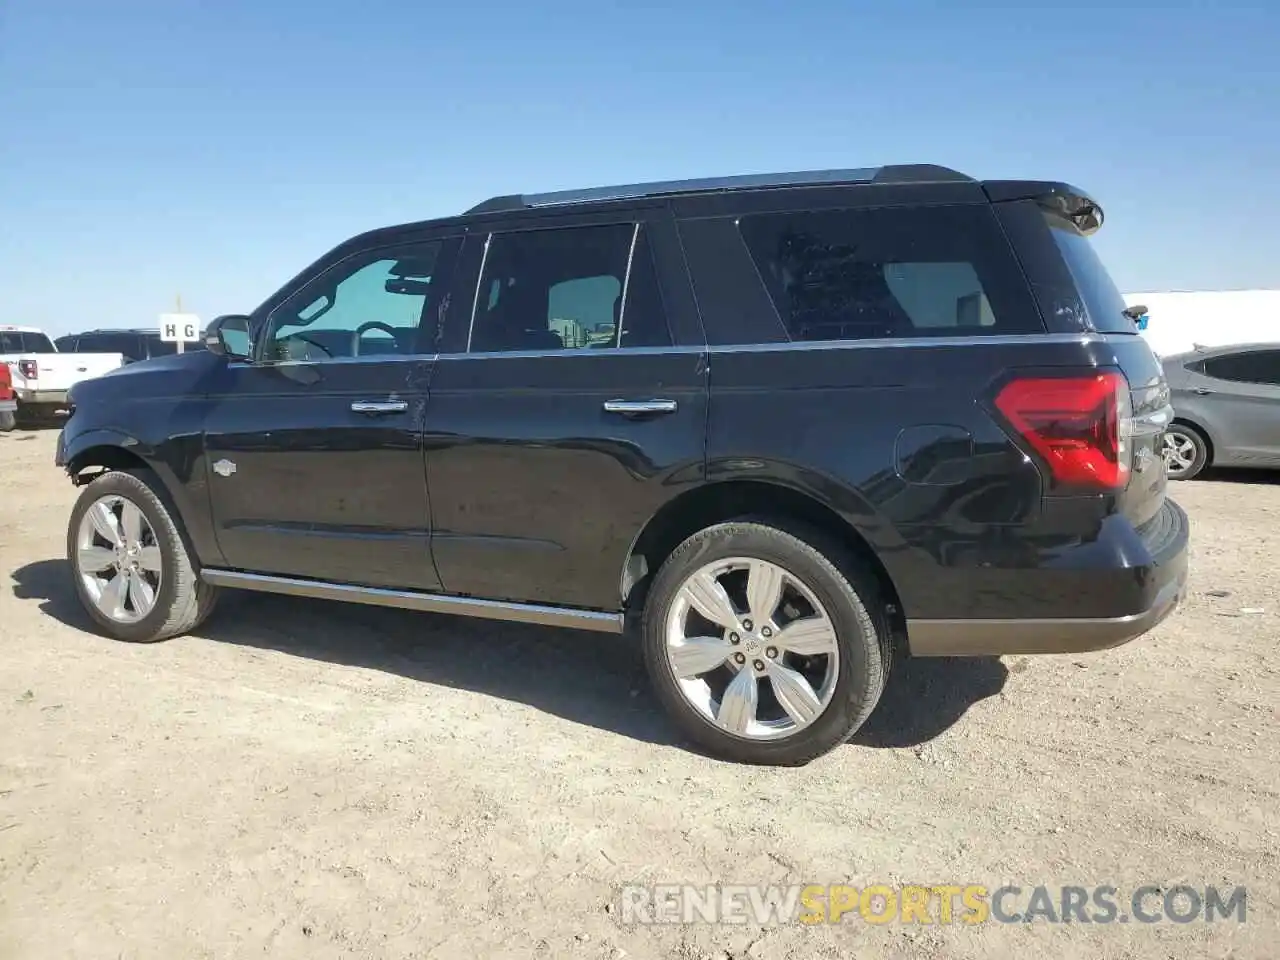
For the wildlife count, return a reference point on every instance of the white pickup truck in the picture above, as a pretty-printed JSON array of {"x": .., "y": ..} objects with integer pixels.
[{"x": 41, "y": 375}]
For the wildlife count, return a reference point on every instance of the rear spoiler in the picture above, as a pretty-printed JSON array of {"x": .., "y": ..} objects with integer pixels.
[{"x": 1066, "y": 201}]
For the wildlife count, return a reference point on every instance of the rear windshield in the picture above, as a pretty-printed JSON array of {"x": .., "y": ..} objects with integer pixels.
[
  {"x": 13, "y": 341},
  {"x": 1101, "y": 296}
]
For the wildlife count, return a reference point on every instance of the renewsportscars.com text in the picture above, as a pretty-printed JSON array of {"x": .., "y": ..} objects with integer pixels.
[{"x": 942, "y": 904}]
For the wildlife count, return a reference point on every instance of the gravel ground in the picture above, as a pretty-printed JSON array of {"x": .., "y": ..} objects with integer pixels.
[{"x": 301, "y": 779}]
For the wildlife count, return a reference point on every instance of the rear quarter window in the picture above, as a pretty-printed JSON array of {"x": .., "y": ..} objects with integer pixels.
[
  {"x": 896, "y": 272},
  {"x": 1101, "y": 297}
]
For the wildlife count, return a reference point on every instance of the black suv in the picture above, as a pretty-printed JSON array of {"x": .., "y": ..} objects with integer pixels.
[
  {"x": 791, "y": 427},
  {"x": 135, "y": 344}
]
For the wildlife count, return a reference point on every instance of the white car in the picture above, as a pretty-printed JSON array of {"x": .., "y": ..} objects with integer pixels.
[{"x": 41, "y": 375}]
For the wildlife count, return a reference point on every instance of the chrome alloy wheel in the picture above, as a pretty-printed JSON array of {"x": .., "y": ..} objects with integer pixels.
[
  {"x": 752, "y": 648},
  {"x": 118, "y": 560},
  {"x": 1179, "y": 453}
]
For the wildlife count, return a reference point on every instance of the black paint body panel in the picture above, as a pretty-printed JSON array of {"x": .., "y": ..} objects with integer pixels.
[{"x": 537, "y": 492}]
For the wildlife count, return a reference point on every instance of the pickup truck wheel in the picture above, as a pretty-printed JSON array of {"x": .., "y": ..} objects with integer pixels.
[
  {"x": 130, "y": 565},
  {"x": 761, "y": 647},
  {"x": 8, "y": 420}
]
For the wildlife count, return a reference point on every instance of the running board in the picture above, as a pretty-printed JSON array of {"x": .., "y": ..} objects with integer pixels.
[{"x": 409, "y": 600}]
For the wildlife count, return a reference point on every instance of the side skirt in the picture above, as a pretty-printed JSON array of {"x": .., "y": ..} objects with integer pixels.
[{"x": 426, "y": 602}]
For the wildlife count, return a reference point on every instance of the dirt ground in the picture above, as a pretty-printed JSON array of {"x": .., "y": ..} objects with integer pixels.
[{"x": 302, "y": 779}]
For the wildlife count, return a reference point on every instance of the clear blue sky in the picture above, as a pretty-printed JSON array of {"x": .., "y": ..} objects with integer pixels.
[{"x": 215, "y": 147}]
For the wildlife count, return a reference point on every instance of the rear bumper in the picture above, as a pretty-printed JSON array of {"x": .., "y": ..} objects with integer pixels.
[
  {"x": 1164, "y": 582},
  {"x": 42, "y": 396}
]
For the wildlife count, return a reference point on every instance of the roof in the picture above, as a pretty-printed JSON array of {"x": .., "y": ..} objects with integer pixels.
[
  {"x": 900, "y": 173},
  {"x": 11, "y": 328},
  {"x": 1203, "y": 350}
]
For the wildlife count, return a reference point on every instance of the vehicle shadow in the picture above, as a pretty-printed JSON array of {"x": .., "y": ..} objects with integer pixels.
[{"x": 589, "y": 678}]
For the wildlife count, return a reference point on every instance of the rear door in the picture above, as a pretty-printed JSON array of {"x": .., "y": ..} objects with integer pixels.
[
  {"x": 314, "y": 449},
  {"x": 568, "y": 404},
  {"x": 1241, "y": 390}
]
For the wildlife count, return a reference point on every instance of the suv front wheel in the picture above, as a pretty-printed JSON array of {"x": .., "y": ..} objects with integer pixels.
[
  {"x": 131, "y": 567},
  {"x": 763, "y": 648}
]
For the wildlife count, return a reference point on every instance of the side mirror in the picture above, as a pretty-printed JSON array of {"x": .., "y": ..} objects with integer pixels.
[{"x": 228, "y": 336}]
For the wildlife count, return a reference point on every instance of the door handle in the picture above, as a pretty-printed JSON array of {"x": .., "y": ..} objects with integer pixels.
[
  {"x": 1202, "y": 391},
  {"x": 379, "y": 406},
  {"x": 637, "y": 408}
]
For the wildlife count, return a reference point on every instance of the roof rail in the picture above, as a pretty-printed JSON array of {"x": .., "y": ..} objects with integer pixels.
[{"x": 900, "y": 173}]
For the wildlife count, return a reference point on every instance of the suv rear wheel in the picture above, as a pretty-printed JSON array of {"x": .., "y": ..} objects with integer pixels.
[
  {"x": 762, "y": 647},
  {"x": 132, "y": 572}
]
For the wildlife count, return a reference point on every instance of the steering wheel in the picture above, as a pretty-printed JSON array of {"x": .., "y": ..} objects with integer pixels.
[
  {"x": 284, "y": 351},
  {"x": 371, "y": 325}
]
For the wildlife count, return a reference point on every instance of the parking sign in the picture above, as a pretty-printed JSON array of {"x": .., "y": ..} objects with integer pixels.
[{"x": 179, "y": 327}]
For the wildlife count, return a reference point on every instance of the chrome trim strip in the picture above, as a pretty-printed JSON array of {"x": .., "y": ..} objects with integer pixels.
[
  {"x": 626, "y": 282},
  {"x": 475, "y": 301},
  {"x": 1083, "y": 339},
  {"x": 787, "y": 347},
  {"x": 410, "y": 600}
]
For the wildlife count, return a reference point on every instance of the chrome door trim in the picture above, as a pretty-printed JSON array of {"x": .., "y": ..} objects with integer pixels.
[
  {"x": 632, "y": 407},
  {"x": 379, "y": 406}
]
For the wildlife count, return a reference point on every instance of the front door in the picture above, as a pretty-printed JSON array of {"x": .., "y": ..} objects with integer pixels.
[
  {"x": 314, "y": 448},
  {"x": 561, "y": 416}
]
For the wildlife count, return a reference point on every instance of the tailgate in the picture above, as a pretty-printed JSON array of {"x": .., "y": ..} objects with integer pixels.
[{"x": 61, "y": 371}]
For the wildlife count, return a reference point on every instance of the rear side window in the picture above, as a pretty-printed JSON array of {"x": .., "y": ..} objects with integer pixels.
[
  {"x": 1102, "y": 299},
  {"x": 890, "y": 272},
  {"x": 14, "y": 341},
  {"x": 122, "y": 343},
  {"x": 572, "y": 288},
  {"x": 1256, "y": 366}
]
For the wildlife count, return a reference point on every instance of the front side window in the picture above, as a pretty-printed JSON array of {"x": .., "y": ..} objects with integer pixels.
[
  {"x": 368, "y": 305},
  {"x": 568, "y": 289},
  {"x": 1254, "y": 366},
  {"x": 889, "y": 272}
]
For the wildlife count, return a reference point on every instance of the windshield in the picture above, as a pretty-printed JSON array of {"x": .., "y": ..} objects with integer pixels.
[
  {"x": 1101, "y": 297},
  {"x": 14, "y": 341}
]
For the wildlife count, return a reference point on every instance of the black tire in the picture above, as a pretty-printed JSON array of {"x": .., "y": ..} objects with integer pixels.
[
  {"x": 183, "y": 600},
  {"x": 1185, "y": 433},
  {"x": 851, "y": 600},
  {"x": 8, "y": 420}
]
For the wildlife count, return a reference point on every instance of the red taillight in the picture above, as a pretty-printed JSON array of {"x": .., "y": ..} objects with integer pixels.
[
  {"x": 30, "y": 369},
  {"x": 1080, "y": 426}
]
